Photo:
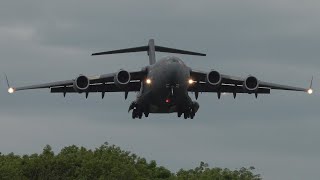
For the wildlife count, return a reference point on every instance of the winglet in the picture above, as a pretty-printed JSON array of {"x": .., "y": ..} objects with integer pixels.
[
  {"x": 310, "y": 91},
  {"x": 7, "y": 81},
  {"x": 10, "y": 89}
]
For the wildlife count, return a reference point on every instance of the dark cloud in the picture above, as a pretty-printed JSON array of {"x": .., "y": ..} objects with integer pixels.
[{"x": 277, "y": 41}]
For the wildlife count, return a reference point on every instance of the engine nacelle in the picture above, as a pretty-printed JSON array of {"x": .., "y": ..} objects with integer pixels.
[
  {"x": 122, "y": 78},
  {"x": 81, "y": 84},
  {"x": 214, "y": 78},
  {"x": 251, "y": 84}
]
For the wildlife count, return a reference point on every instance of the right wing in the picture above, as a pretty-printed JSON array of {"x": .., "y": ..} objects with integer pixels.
[{"x": 232, "y": 84}]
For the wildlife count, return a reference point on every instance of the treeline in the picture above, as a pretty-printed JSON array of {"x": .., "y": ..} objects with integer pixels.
[{"x": 106, "y": 162}]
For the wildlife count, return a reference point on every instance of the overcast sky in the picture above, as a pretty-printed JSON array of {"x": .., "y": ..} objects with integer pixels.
[{"x": 275, "y": 40}]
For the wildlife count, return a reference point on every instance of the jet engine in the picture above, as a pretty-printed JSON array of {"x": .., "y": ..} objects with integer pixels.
[
  {"x": 214, "y": 78},
  {"x": 251, "y": 84},
  {"x": 122, "y": 78},
  {"x": 81, "y": 83}
]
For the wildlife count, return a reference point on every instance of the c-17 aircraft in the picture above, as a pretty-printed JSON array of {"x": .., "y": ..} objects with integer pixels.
[{"x": 163, "y": 85}]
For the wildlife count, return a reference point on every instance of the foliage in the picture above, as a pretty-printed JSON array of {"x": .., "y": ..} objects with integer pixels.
[
  {"x": 205, "y": 173},
  {"x": 105, "y": 162}
]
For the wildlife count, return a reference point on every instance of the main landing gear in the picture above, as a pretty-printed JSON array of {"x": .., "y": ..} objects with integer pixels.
[
  {"x": 138, "y": 112},
  {"x": 190, "y": 111},
  {"x": 187, "y": 112}
]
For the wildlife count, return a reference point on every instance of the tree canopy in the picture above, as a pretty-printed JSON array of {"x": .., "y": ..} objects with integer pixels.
[{"x": 106, "y": 162}]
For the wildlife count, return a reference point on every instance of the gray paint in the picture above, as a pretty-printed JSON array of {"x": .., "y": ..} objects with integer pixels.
[
  {"x": 167, "y": 91},
  {"x": 151, "y": 52}
]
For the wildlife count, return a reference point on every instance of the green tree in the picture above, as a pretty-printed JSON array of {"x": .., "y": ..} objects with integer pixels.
[{"x": 105, "y": 162}]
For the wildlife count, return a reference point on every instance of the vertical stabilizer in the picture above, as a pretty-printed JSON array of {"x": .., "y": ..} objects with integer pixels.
[{"x": 151, "y": 52}]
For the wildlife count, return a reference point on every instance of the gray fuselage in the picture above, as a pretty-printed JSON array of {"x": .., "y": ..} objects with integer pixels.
[{"x": 167, "y": 91}]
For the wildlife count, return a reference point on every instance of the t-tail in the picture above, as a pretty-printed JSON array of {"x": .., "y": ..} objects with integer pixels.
[{"x": 151, "y": 48}]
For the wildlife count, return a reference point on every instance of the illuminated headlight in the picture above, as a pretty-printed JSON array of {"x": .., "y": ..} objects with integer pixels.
[
  {"x": 148, "y": 81},
  {"x": 11, "y": 90},
  {"x": 191, "y": 81},
  {"x": 310, "y": 91}
]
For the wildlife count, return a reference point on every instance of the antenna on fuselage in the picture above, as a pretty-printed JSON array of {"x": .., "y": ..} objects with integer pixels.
[{"x": 151, "y": 49}]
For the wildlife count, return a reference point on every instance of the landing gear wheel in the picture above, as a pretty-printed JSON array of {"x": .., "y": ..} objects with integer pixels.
[
  {"x": 134, "y": 114},
  {"x": 192, "y": 114},
  {"x": 185, "y": 115}
]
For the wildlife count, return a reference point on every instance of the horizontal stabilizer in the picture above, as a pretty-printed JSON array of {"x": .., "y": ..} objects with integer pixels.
[
  {"x": 128, "y": 50},
  {"x": 146, "y": 48},
  {"x": 151, "y": 48},
  {"x": 177, "y": 51}
]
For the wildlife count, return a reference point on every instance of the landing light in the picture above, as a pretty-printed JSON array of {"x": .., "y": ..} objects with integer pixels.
[
  {"x": 148, "y": 81},
  {"x": 310, "y": 91},
  {"x": 191, "y": 81},
  {"x": 168, "y": 100},
  {"x": 11, "y": 90}
]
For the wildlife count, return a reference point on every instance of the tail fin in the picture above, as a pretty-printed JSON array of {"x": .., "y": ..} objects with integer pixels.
[
  {"x": 151, "y": 49},
  {"x": 151, "y": 52}
]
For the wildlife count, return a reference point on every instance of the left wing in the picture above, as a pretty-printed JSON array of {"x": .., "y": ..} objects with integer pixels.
[
  {"x": 102, "y": 83},
  {"x": 232, "y": 84},
  {"x": 110, "y": 87}
]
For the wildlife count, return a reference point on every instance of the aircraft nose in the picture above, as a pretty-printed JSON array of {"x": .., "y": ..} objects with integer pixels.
[{"x": 174, "y": 73}]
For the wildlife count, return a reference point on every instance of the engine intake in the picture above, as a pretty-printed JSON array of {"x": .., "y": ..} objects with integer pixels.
[
  {"x": 81, "y": 83},
  {"x": 251, "y": 83},
  {"x": 214, "y": 78},
  {"x": 122, "y": 78}
]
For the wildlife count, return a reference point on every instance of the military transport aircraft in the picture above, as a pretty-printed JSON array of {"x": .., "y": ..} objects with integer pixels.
[{"x": 163, "y": 85}]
